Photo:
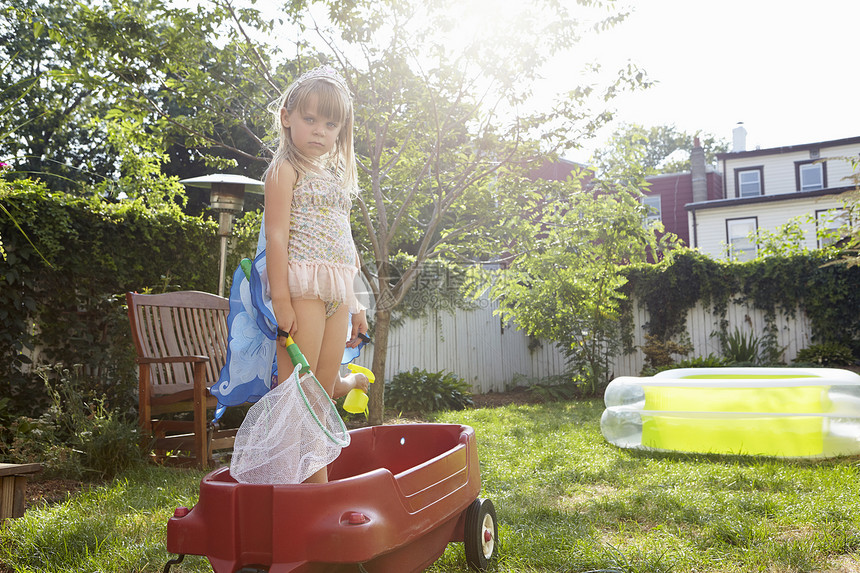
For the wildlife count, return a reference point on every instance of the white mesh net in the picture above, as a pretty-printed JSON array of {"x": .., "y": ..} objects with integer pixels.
[{"x": 289, "y": 434}]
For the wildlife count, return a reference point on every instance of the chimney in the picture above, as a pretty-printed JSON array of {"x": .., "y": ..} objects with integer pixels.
[
  {"x": 697, "y": 171},
  {"x": 739, "y": 138}
]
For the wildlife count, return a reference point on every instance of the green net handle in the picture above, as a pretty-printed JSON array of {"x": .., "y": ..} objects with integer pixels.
[{"x": 296, "y": 355}]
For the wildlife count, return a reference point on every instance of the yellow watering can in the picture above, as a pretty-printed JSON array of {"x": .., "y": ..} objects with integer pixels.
[{"x": 356, "y": 400}]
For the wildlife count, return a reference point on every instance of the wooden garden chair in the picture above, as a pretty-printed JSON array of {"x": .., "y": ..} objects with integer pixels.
[{"x": 181, "y": 344}]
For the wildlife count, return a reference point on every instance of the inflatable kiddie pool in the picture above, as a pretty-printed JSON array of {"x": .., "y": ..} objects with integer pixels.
[
  {"x": 397, "y": 496},
  {"x": 782, "y": 412}
]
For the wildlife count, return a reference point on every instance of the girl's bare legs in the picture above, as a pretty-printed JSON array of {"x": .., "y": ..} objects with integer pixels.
[{"x": 322, "y": 341}]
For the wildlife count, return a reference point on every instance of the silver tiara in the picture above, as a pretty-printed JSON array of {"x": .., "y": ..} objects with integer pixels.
[{"x": 324, "y": 72}]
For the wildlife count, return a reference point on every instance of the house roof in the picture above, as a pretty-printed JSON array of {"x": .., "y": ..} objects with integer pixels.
[
  {"x": 788, "y": 148},
  {"x": 765, "y": 198}
]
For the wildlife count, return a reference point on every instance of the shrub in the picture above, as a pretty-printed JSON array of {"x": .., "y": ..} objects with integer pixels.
[
  {"x": 422, "y": 391},
  {"x": 658, "y": 353},
  {"x": 78, "y": 436},
  {"x": 740, "y": 347},
  {"x": 62, "y": 284},
  {"x": 709, "y": 361},
  {"x": 557, "y": 388},
  {"x": 827, "y": 354}
]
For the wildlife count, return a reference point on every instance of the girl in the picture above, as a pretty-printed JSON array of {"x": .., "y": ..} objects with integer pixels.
[{"x": 311, "y": 259}]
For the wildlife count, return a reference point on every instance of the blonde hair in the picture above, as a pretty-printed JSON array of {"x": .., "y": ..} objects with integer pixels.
[{"x": 333, "y": 101}]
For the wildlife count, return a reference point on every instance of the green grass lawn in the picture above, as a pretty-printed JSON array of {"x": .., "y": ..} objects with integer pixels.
[{"x": 566, "y": 501}]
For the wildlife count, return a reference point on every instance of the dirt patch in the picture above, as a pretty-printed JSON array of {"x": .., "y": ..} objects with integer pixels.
[
  {"x": 586, "y": 494},
  {"x": 46, "y": 492},
  {"x": 843, "y": 564}
]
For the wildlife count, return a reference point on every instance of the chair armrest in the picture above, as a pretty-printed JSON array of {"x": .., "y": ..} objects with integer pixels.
[{"x": 172, "y": 359}]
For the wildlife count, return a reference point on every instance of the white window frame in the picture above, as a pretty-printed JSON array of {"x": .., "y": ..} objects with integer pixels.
[
  {"x": 811, "y": 167},
  {"x": 740, "y": 245},
  {"x": 759, "y": 186},
  {"x": 653, "y": 208}
]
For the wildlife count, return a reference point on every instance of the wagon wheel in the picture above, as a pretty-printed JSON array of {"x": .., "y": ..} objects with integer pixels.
[{"x": 481, "y": 534}]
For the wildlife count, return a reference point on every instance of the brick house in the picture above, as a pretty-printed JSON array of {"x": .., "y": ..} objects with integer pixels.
[{"x": 668, "y": 194}]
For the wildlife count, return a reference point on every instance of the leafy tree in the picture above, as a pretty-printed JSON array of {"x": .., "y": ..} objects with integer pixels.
[
  {"x": 438, "y": 126},
  {"x": 49, "y": 122},
  {"x": 79, "y": 75},
  {"x": 565, "y": 280},
  {"x": 851, "y": 244},
  {"x": 187, "y": 76},
  {"x": 435, "y": 143},
  {"x": 659, "y": 147},
  {"x": 789, "y": 239}
]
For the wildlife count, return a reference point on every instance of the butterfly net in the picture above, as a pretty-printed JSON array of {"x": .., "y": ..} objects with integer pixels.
[{"x": 292, "y": 432}]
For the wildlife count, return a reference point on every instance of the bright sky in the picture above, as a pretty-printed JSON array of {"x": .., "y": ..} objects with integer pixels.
[{"x": 787, "y": 69}]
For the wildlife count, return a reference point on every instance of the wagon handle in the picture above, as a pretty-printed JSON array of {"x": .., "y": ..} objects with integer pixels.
[{"x": 176, "y": 561}]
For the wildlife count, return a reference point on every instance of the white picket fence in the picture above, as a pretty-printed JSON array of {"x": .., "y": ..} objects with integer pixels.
[{"x": 492, "y": 356}]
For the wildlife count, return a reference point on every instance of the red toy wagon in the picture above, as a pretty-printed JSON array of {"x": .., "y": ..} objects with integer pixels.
[{"x": 397, "y": 496}]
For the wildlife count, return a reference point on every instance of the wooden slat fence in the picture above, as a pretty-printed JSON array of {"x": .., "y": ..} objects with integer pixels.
[{"x": 492, "y": 356}]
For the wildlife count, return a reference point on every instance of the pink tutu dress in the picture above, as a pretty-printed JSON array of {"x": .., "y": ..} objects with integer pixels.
[{"x": 322, "y": 253}]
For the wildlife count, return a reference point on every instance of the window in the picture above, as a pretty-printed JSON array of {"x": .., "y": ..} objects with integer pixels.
[
  {"x": 653, "y": 210},
  {"x": 831, "y": 226},
  {"x": 739, "y": 233},
  {"x": 810, "y": 175},
  {"x": 748, "y": 182}
]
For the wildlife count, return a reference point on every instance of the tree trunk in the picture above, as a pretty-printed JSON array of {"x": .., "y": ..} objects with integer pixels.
[{"x": 376, "y": 392}]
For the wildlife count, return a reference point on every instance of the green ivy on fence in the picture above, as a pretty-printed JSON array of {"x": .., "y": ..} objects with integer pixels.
[{"x": 827, "y": 292}]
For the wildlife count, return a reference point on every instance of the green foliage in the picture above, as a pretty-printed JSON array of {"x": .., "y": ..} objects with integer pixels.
[
  {"x": 658, "y": 353},
  {"x": 50, "y": 114},
  {"x": 672, "y": 287},
  {"x": 661, "y": 146},
  {"x": 422, "y": 391},
  {"x": 786, "y": 240},
  {"x": 117, "y": 526},
  {"x": 565, "y": 282},
  {"x": 709, "y": 361},
  {"x": 850, "y": 254},
  {"x": 811, "y": 283},
  {"x": 556, "y": 389},
  {"x": 71, "y": 306},
  {"x": 242, "y": 242},
  {"x": 790, "y": 239},
  {"x": 740, "y": 347},
  {"x": 78, "y": 436},
  {"x": 826, "y": 354},
  {"x": 141, "y": 162}
]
